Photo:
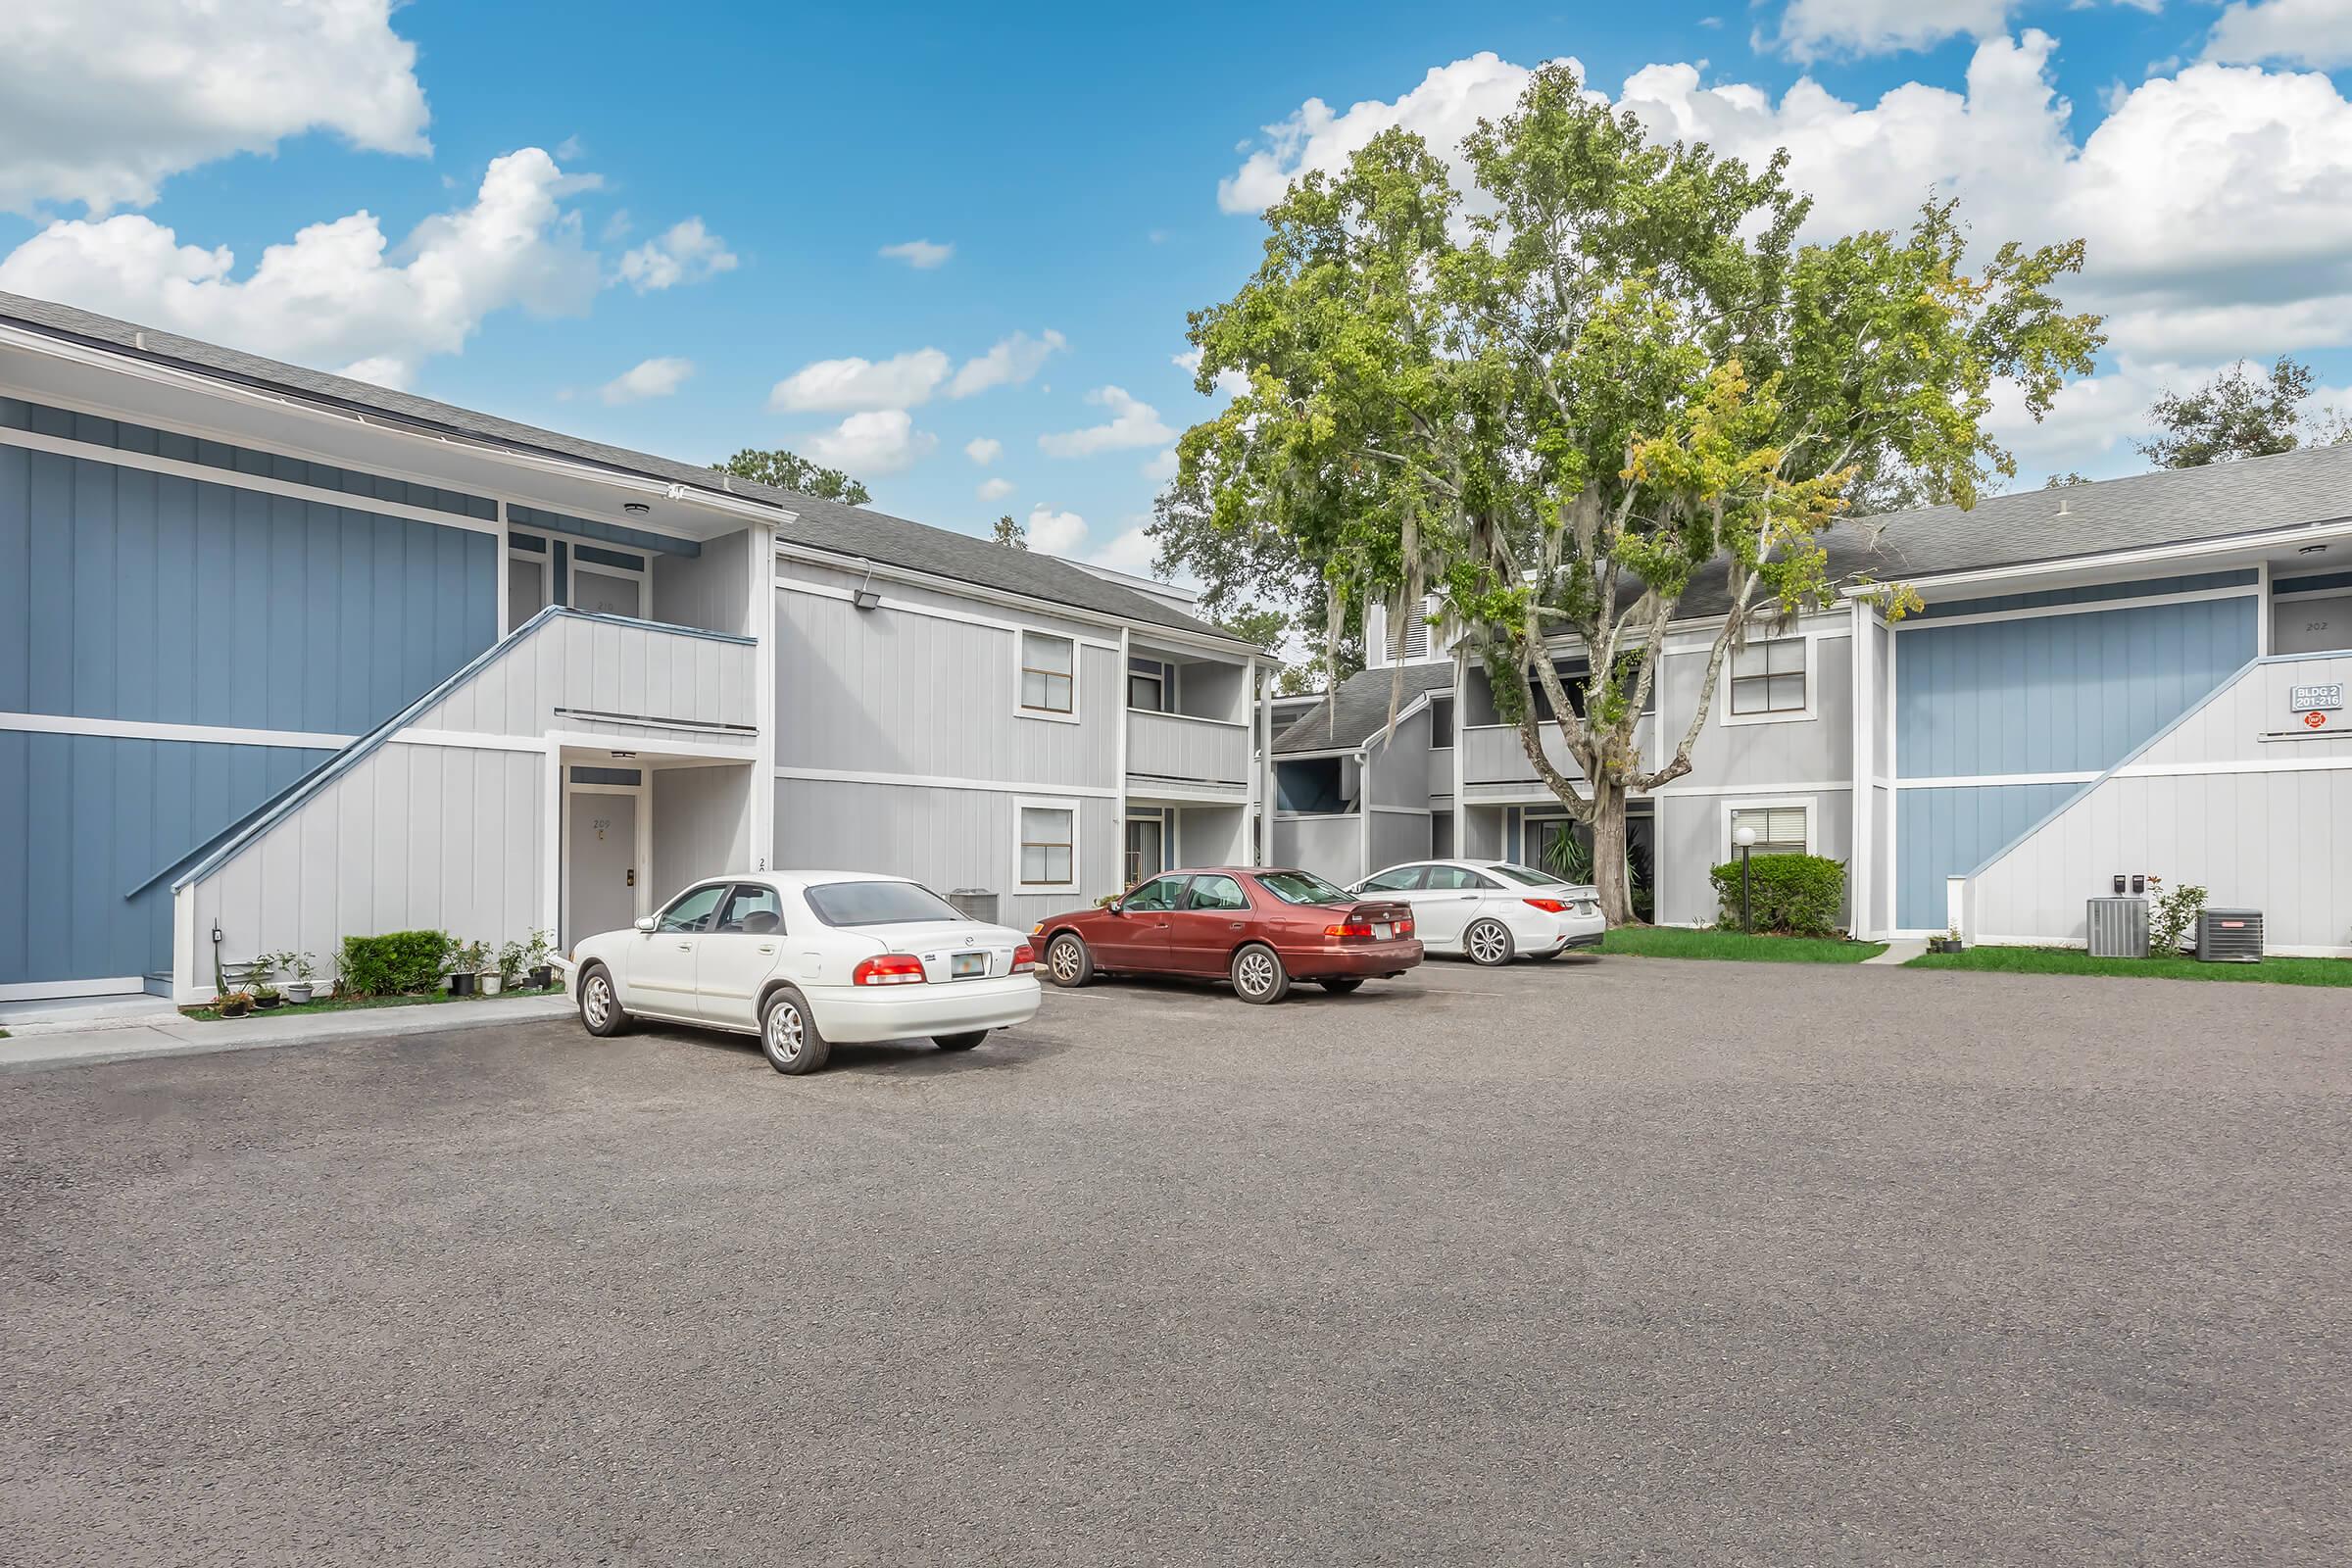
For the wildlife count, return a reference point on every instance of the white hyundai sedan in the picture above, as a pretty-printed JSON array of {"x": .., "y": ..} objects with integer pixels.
[
  {"x": 1492, "y": 911},
  {"x": 808, "y": 959}
]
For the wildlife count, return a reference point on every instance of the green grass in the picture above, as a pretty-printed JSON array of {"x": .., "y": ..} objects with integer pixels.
[
  {"x": 1673, "y": 941},
  {"x": 2072, "y": 961},
  {"x": 290, "y": 1009}
]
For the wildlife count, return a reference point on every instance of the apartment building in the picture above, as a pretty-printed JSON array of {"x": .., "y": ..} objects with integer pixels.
[
  {"x": 2141, "y": 677},
  {"x": 287, "y": 657}
]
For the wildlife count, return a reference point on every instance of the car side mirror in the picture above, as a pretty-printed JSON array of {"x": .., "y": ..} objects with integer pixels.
[
  {"x": 1116, "y": 905},
  {"x": 645, "y": 923}
]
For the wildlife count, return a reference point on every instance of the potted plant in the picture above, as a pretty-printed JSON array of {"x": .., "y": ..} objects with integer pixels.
[
  {"x": 464, "y": 965},
  {"x": 512, "y": 959},
  {"x": 535, "y": 956},
  {"x": 265, "y": 995},
  {"x": 305, "y": 971},
  {"x": 1949, "y": 942},
  {"x": 235, "y": 1005}
]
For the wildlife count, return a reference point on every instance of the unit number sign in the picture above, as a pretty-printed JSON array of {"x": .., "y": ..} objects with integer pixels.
[{"x": 2315, "y": 699}]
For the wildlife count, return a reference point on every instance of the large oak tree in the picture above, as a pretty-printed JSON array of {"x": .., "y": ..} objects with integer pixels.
[{"x": 1612, "y": 375}]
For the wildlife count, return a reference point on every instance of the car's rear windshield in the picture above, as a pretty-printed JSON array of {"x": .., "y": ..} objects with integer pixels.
[
  {"x": 877, "y": 904},
  {"x": 1527, "y": 874},
  {"x": 1301, "y": 887}
]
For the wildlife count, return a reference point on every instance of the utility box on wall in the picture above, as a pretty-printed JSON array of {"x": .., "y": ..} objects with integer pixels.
[{"x": 2118, "y": 928}]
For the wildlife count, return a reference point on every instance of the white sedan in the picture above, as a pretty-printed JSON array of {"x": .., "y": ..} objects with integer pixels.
[
  {"x": 1492, "y": 911},
  {"x": 808, "y": 959}
]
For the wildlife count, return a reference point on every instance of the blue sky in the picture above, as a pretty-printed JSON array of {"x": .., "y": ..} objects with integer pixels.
[{"x": 1073, "y": 159}]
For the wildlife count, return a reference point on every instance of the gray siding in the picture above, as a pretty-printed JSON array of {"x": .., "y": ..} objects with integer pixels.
[
  {"x": 1812, "y": 749},
  {"x": 942, "y": 838},
  {"x": 413, "y": 837},
  {"x": 712, "y": 590},
  {"x": 83, "y": 819},
  {"x": 605, "y": 666},
  {"x": 2273, "y": 834},
  {"x": 889, "y": 690},
  {"x": 1397, "y": 768},
  {"x": 1331, "y": 846},
  {"x": 701, "y": 826},
  {"x": 140, "y": 596},
  {"x": 1398, "y": 836},
  {"x": 1688, "y": 844},
  {"x": 1210, "y": 835},
  {"x": 1165, "y": 746}
]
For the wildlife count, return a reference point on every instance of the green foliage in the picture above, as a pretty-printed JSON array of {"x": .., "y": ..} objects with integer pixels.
[
  {"x": 2171, "y": 918},
  {"x": 1798, "y": 895},
  {"x": 1569, "y": 856},
  {"x": 789, "y": 471},
  {"x": 2238, "y": 414},
  {"x": 2074, "y": 960},
  {"x": 1010, "y": 533},
  {"x": 396, "y": 963},
  {"x": 1674, "y": 942}
]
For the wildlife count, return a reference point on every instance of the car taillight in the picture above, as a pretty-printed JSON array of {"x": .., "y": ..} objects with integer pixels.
[
  {"x": 1547, "y": 905},
  {"x": 1024, "y": 959},
  {"x": 1352, "y": 928},
  {"x": 889, "y": 969},
  {"x": 1404, "y": 928}
]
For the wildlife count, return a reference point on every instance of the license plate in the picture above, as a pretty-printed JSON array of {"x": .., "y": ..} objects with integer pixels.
[
  {"x": 1380, "y": 930},
  {"x": 964, "y": 965}
]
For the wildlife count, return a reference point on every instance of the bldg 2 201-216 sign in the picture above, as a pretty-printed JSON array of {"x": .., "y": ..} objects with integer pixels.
[{"x": 2315, "y": 703}]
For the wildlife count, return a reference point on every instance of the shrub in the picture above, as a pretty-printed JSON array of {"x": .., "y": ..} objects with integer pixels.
[
  {"x": 396, "y": 962},
  {"x": 2170, "y": 917},
  {"x": 1791, "y": 894}
]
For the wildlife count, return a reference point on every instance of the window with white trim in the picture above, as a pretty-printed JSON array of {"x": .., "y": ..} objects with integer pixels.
[
  {"x": 1780, "y": 829},
  {"x": 1049, "y": 845},
  {"x": 1049, "y": 674},
  {"x": 1769, "y": 678}
]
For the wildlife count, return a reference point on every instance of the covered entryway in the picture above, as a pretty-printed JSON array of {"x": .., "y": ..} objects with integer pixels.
[{"x": 638, "y": 826}]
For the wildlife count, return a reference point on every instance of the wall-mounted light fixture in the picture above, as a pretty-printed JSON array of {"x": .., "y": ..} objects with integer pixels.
[
  {"x": 633, "y": 753},
  {"x": 635, "y": 508},
  {"x": 865, "y": 596},
  {"x": 2312, "y": 550}
]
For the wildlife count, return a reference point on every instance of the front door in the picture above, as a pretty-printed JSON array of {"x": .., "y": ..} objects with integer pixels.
[
  {"x": 1136, "y": 937},
  {"x": 1211, "y": 925},
  {"x": 1146, "y": 857},
  {"x": 602, "y": 865},
  {"x": 604, "y": 592}
]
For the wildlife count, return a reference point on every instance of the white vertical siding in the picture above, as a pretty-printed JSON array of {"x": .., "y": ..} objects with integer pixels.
[{"x": 601, "y": 666}]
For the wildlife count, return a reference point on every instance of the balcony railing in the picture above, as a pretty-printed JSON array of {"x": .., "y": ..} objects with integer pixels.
[
  {"x": 1493, "y": 759},
  {"x": 1184, "y": 750}
]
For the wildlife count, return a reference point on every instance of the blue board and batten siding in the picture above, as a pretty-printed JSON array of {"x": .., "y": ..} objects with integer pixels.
[
  {"x": 2042, "y": 694},
  {"x": 138, "y": 597}
]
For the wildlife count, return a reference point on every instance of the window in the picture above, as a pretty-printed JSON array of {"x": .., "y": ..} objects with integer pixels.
[
  {"x": 1780, "y": 829},
  {"x": 1456, "y": 879},
  {"x": 1769, "y": 678},
  {"x": 840, "y": 903},
  {"x": 752, "y": 911},
  {"x": 1147, "y": 685},
  {"x": 1301, "y": 887},
  {"x": 1397, "y": 880},
  {"x": 691, "y": 910},
  {"x": 1216, "y": 893},
  {"x": 1049, "y": 674},
  {"x": 1441, "y": 722},
  {"x": 1049, "y": 845},
  {"x": 1525, "y": 875},
  {"x": 1160, "y": 892}
]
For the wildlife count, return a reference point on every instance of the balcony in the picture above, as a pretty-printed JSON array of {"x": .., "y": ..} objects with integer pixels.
[
  {"x": 1203, "y": 758},
  {"x": 1495, "y": 765},
  {"x": 608, "y": 676}
]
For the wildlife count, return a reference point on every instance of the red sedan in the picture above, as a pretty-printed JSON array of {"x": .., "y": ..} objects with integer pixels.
[{"x": 1259, "y": 927}]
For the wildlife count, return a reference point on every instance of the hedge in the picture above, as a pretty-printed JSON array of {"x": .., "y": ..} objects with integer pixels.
[
  {"x": 395, "y": 964},
  {"x": 1793, "y": 895}
]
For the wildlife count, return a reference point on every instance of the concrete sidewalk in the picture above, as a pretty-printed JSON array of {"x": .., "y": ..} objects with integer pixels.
[
  {"x": 37, "y": 1046},
  {"x": 1902, "y": 949}
]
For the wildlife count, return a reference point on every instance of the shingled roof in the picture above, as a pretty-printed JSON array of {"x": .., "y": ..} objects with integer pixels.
[
  {"x": 820, "y": 524},
  {"x": 1360, "y": 707}
]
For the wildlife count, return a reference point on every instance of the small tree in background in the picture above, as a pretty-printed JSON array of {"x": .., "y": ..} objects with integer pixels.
[
  {"x": 1010, "y": 534},
  {"x": 2241, "y": 414},
  {"x": 789, "y": 471}
]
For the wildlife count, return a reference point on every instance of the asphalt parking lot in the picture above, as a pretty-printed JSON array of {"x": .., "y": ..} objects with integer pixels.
[{"x": 1611, "y": 1261}]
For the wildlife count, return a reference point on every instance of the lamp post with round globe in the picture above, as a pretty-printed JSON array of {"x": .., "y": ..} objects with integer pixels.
[{"x": 1745, "y": 837}]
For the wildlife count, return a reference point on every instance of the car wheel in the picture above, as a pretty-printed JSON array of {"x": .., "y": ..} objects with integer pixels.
[
  {"x": 1343, "y": 984},
  {"x": 788, "y": 1033},
  {"x": 963, "y": 1042},
  {"x": 601, "y": 1011},
  {"x": 1487, "y": 942},
  {"x": 1258, "y": 975},
  {"x": 1068, "y": 963}
]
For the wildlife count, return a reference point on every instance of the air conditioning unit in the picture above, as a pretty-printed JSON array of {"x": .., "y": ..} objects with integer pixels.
[
  {"x": 2230, "y": 936},
  {"x": 2118, "y": 927},
  {"x": 974, "y": 904}
]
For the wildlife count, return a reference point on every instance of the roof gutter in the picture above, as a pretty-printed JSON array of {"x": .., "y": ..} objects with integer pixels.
[{"x": 2186, "y": 550}]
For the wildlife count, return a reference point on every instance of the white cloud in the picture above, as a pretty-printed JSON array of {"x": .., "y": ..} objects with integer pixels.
[
  {"x": 2307, "y": 33},
  {"x": 867, "y": 445},
  {"x": 337, "y": 295},
  {"x": 1132, "y": 424},
  {"x": 688, "y": 253},
  {"x": 1230, "y": 383},
  {"x": 1161, "y": 467},
  {"x": 983, "y": 450},
  {"x": 1133, "y": 551},
  {"x": 835, "y": 386},
  {"x": 996, "y": 489},
  {"x": 1010, "y": 363},
  {"x": 648, "y": 378},
  {"x": 101, "y": 101},
  {"x": 1813, "y": 29},
  {"x": 920, "y": 254},
  {"x": 1056, "y": 533}
]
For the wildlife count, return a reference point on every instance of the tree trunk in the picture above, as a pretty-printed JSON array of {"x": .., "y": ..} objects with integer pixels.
[{"x": 1609, "y": 853}]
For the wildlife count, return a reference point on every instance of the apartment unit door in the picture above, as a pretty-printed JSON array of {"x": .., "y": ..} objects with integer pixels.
[{"x": 600, "y": 864}]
